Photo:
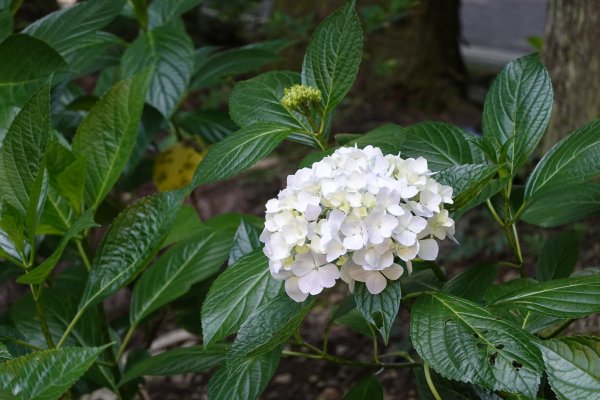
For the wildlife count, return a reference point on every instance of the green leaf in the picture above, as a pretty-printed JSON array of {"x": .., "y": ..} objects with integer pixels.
[
  {"x": 183, "y": 265},
  {"x": 45, "y": 375},
  {"x": 6, "y": 24},
  {"x": 236, "y": 294},
  {"x": 486, "y": 192},
  {"x": 95, "y": 52},
  {"x": 379, "y": 309},
  {"x": 367, "y": 388},
  {"x": 70, "y": 183},
  {"x": 571, "y": 162},
  {"x": 465, "y": 342},
  {"x": 517, "y": 109},
  {"x": 244, "y": 241},
  {"x": 186, "y": 224},
  {"x": 132, "y": 239},
  {"x": 238, "y": 152},
  {"x": 558, "y": 257},
  {"x": 265, "y": 329},
  {"x": 561, "y": 298},
  {"x": 107, "y": 135},
  {"x": 176, "y": 362},
  {"x": 170, "y": 51},
  {"x": 564, "y": 205},
  {"x": 450, "y": 390},
  {"x": 473, "y": 282},
  {"x": 333, "y": 56},
  {"x": 39, "y": 274},
  {"x": 211, "y": 126},
  {"x": 164, "y": 11},
  {"x": 388, "y": 138},
  {"x": 442, "y": 145},
  {"x": 63, "y": 29},
  {"x": 232, "y": 62},
  {"x": 572, "y": 364},
  {"x": 258, "y": 100},
  {"x": 246, "y": 383},
  {"x": 26, "y": 65},
  {"x": 4, "y": 353},
  {"x": 467, "y": 181}
]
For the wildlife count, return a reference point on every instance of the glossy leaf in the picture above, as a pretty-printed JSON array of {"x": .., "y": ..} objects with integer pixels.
[
  {"x": 6, "y": 24},
  {"x": 244, "y": 241},
  {"x": 187, "y": 223},
  {"x": 388, "y": 138},
  {"x": 211, "y": 126},
  {"x": 465, "y": 342},
  {"x": 169, "y": 50},
  {"x": 236, "y": 294},
  {"x": 467, "y": 181},
  {"x": 561, "y": 298},
  {"x": 333, "y": 56},
  {"x": 247, "y": 382},
  {"x": 183, "y": 265},
  {"x": 517, "y": 109},
  {"x": 443, "y": 145},
  {"x": 379, "y": 309},
  {"x": 450, "y": 389},
  {"x": 572, "y": 364},
  {"x": 177, "y": 361},
  {"x": 132, "y": 239},
  {"x": 238, "y": 152},
  {"x": 367, "y": 388},
  {"x": 164, "y": 11},
  {"x": 265, "y": 329},
  {"x": 558, "y": 257},
  {"x": 472, "y": 283},
  {"x": 107, "y": 135},
  {"x": 45, "y": 375}
]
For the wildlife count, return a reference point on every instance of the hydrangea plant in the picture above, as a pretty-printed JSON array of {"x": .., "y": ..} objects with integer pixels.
[{"x": 367, "y": 209}]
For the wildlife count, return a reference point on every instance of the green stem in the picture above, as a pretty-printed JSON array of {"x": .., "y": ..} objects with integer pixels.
[
  {"x": 349, "y": 362},
  {"x": 494, "y": 213},
  {"x": 83, "y": 255},
  {"x": 326, "y": 335},
  {"x": 434, "y": 391},
  {"x": 508, "y": 264},
  {"x": 375, "y": 345},
  {"x": 513, "y": 242},
  {"x": 439, "y": 273},
  {"x": 125, "y": 342},
  {"x": 74, "y": 321},
  {"x": 559, "y": 329},
  {"x": 39, "y": 309}
]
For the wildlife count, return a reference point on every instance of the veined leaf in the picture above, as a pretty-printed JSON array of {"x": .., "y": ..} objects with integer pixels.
[
  {"x": 558, "y": 257},
  {"x": 211, "y": 126},
  {"x": 388, "y": 138},
  {"x": 164, "y": 11},
  {"x": 247, "y": 382},
  {"x": 237, "y": 293},
  {"x": 266, "y": 329},
  {"x": 472, "y": 283},
  {"x": 107, "y": 135},
  {"x": 517, "y": 109},
  {"x": 177, "y": 361},
  {"x": 572, "y": 366},
  {"x": 443, "y": 145},
  {"x": 561, "y": 298},
  {"x": 246, "y": 239},
  {"x": 465, "y": 342},
  {"x": 238, "y": 152},
  {"x": 6, "y": 24},
  {"x": 186, "y": 224},
  {"x": 333, "y": 56},
  {"x": 379, "y": 309},
  {"x": 170, "y": 51},
  {"x": 467, "y": 181},
  {"x": 130, "y": 242},
  {"x": 45, "y": 375},
  {"x": 184, "y": 264},
  {"x": 367, "y": 388}
]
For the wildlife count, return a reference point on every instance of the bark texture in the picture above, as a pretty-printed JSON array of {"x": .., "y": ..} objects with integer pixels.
[{"x": 572, "y": 55}]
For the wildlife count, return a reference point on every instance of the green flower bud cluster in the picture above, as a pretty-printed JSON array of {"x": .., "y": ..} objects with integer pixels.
[{"x": 299, "y": 96}]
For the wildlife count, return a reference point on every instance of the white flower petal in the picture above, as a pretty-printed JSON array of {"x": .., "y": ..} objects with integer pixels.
[
  {"x": 376, "y": 282},
  {"x": 293, "y": 290},
  {"x": 428, "y": 249}
]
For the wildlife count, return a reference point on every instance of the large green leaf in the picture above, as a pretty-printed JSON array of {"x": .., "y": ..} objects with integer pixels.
[
  {"x": 443, "y": 145},
  {"x": 258, "y": 100},
  {"x": 238, "y": 152},
  {"x": 66, "y": 28},
  {"x": 450, "y": 389},
  {"x": 246, "y": 239},
  {"x": 558, "y": 257},
  {"x": 465, "y": 342},
  {"x": 26, "y": 64},
  {"x": 132, "y": 239},
  {"x": 45, "y": 375},
  {"x": 186, "y": 224},
  {"x": 6, "y": 24},
  {"x": 164, "y": 11},
  {"x": 266, "y": 329},
  {"x": 22, "y": 156},
  {"x": 246, "y": 383},
  {"x": 573, "y": 367},
  {"x": 467, "y": 181},
  {"x": 388, "y": 138},
  {"x": 107, "y": 135},
  {"x": 368, "y": 388},
  {"x": 379, "y": 309},
  {"x": 571, "y": 162},
  {"x": 237, "y": 293},
  {"x": 211, "y": 126},
  {"x": 176, "y": 362},
  {"x": 170, "y": 51},
  {"x": 561, "y": 298},
  {"x": 472, "y": 283},
  {"x": 517, "y": 109},
  {"x": 183, "y": 265},
  {"x": 333, "y": 56},
  {"x": 564, "y": 206},
  {"x": 95, "y": 52}
]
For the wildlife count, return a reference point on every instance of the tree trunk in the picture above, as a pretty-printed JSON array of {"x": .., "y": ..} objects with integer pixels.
[{"x": 572, "y": 55}]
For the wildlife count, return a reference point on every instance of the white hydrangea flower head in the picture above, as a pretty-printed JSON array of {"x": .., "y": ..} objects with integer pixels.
[{"x": 353, "y": 216}]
